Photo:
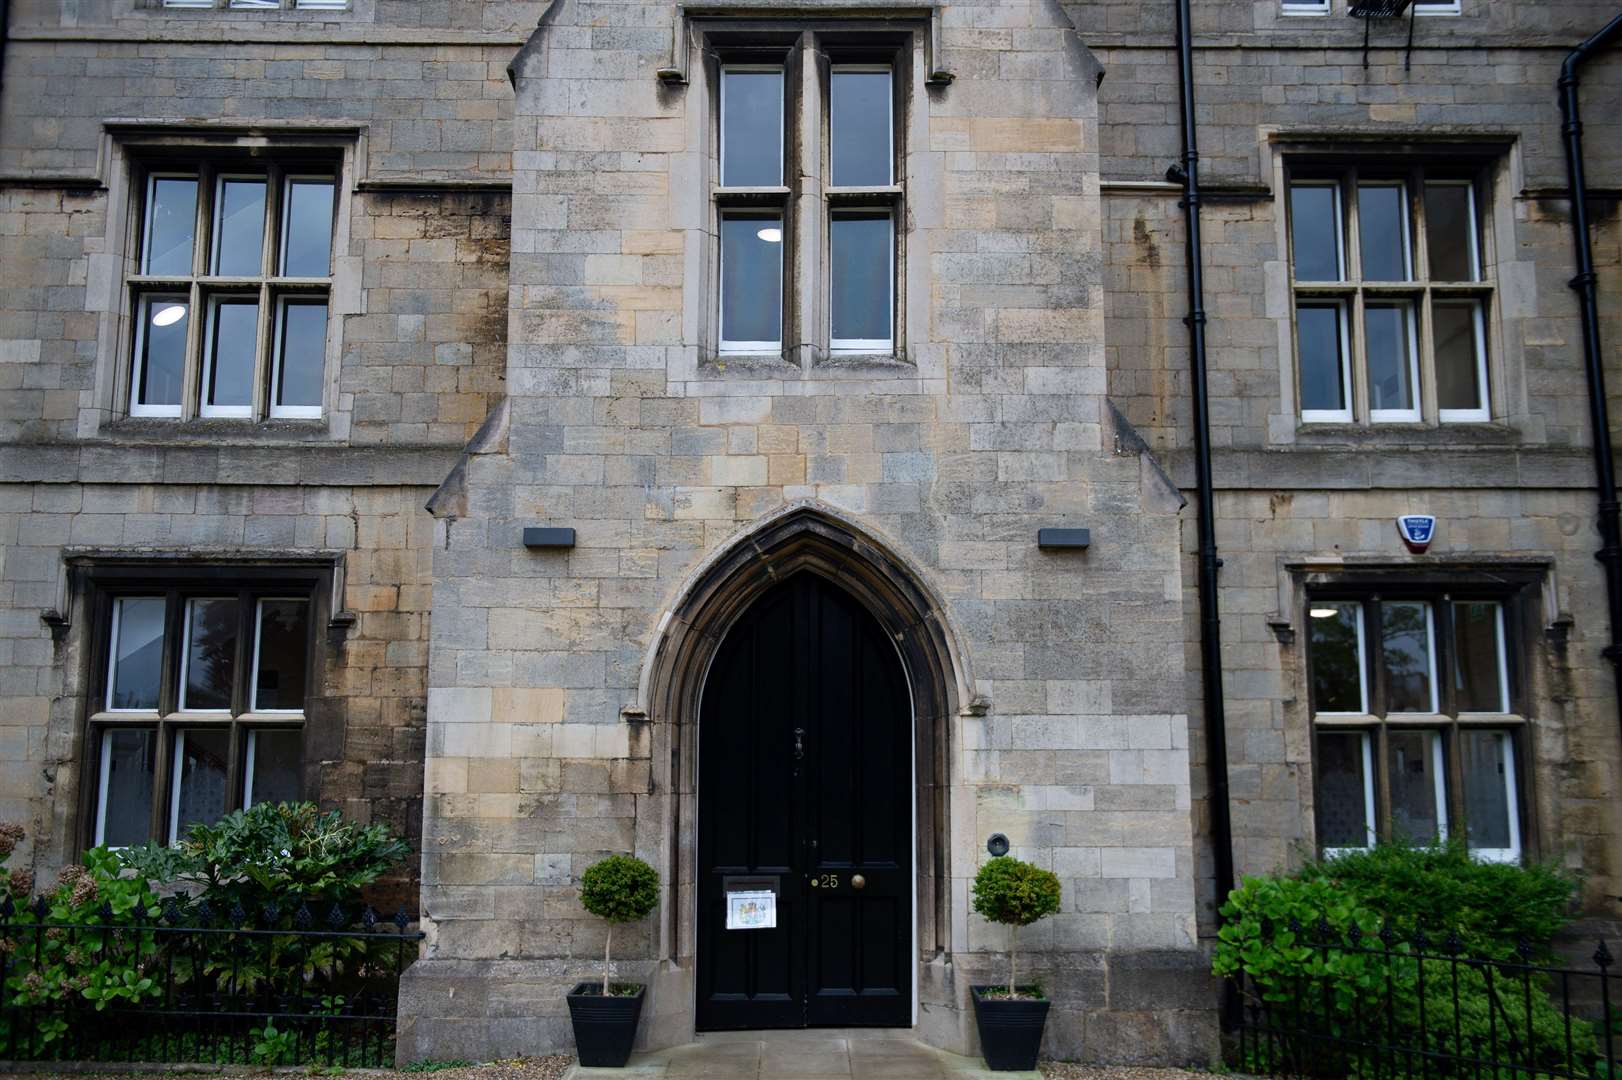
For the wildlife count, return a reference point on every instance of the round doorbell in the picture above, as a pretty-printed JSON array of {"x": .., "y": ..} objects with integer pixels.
[{"x": 997, "y": 845}]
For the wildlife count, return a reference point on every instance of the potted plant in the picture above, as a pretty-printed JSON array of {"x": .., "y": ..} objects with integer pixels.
[
  {"x": 1011, "y": 1018},
  {"x": 620, "y": 889}
]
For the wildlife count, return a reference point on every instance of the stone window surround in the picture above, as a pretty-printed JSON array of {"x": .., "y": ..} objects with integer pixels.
[
  {"x": 806, "y": 200},
  {"x": 1495, "y": 159},
  {"x": 1422, "y": 8},
  {"x": 129, "y": 149},
  {"x": 94, "y": 580}
]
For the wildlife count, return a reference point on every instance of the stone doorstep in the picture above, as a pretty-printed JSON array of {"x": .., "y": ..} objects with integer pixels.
[{"x": 812, "y": 1054}]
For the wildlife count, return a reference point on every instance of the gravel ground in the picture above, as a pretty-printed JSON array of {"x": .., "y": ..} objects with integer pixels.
[
  {"x": 539, "y": 1068},
  {"x": 1065, "y": 1070}
]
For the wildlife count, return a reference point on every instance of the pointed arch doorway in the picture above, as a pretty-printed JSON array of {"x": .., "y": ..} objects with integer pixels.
[{"x": 806, "y": 788}]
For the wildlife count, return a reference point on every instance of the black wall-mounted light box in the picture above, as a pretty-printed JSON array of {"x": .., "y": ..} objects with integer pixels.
[
  {"x": 1064, "y": 539},
  {"x": 539, "y": 537}
]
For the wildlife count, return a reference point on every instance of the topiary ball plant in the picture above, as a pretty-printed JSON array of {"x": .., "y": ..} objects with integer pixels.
[
  {"x": 1015, "y": 894},
  {"x": 620, "y": 889}
]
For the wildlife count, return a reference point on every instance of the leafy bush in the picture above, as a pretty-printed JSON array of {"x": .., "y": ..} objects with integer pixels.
[
  {"x": 16, "y": 883},
  {"x": 1015, "y": 894},
  {"x": 1312, "y": 948},
  {"x": 620, "y": 888}
]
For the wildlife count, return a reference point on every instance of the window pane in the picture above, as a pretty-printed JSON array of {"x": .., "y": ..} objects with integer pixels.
[
  {"x": 1318, "y": 342},
  {"x": 162, "y": 350},
  {"x": 199, "y": 779},
  {"x": 128, "y": 759},
  {"x": 137, "y": 653},
  {"x": 301, "y": 365},
  {"x": 1382, "y": 225},
  {"x": 211, "y": 653},
  {"x": 1450, "y": 232},
  {"x": 751, "y": 128},
  {"x": 1335, "y": 633},
  {"x": 272, "y": 774},
  {"x": 1405, "y": 648},
  {"x": 1458, "y": 355},
  {"x": 171, "y": 224},
  {"x": 752, "y": 281},
  {"x": 1488, "y": 793},
  {"x": 859, "y": 114},
  {"x": 1390, "y": 355},
  {"x": 281, "y": 651},
  {"x": 1479, "y": 676},
  {"x": 1315, "y": 231},
  {"x": 1342, "y": 791},
  {"x": 859, "y": 253},
  {"x": 239, "y": 242},
  {"x": 1413, "y": 767},
  {"x": 231, "y": 353},
  {"x": 307, "y": 234}
]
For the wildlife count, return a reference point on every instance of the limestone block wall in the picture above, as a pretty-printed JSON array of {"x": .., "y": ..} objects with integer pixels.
[{"x": 1067, "y": 725}]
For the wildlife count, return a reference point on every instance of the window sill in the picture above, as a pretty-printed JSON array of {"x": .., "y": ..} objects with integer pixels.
[
  {"x": 1453, "y": 434},
  {"x": 148, "y": 717},
  {"x": 215, "y": 431},
  {"x": 1419, "y": 720}
]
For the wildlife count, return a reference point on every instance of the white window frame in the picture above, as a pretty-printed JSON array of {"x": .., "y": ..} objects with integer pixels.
[
  {"x": 143, "y": 315},
  {"x": 286, "y": 210},
  {"x": 205, "y": 408},
  {"x": 188, "y": 3},
  {"x": 322, "y": 5},
  {"x": 1511, "y": 854},
  {"x": 862, "y": 346},
  {"x": 889, "y": 124},
  {"x": 1327, "y": 416},
  {"x": 185, "y": 657},
  {"x": 1482, "y": 413},
  {"x": 1476, "y": 275},
  {"x": 218, "y": 224},
  {"x": 1303, "y": 7},
  {"x": 748, "y": 348},
  {"x": 1370, "y": 830},
  {"x": 782, "y": 122},
  {"x": 1362, "y": 656},
  {"x": 256, "y": 5},
  {"x": 1424, "y": 8},
  {"x": 1407, "y": 226},
  {"x": 104, "y": 773},
  {"x": 1430, "y": 649},
  {"x": 278, "y": 411},
  {"x": 1340, "y": 230},
  {"x": 1438, "y": 782},
  {"x": 113, "y": 635},
  {"x": 1503, "y": 661},
  {"x": 151, "y": 207},
  {"x": 253, "y": 671},
  {"x": 175, "y": 773},
  {"x": 1398, "y": 416}
]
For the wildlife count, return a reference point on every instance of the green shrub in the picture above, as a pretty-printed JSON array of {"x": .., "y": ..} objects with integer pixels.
[
  {"x": 1015, "y": 894},
  {"x": 620, "y": 888},
  {"x": 16, "y": 883}
]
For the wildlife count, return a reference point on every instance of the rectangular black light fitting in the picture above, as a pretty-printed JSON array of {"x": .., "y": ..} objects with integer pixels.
[
  {"x": 536, "y": 536},
  {"x": 1064, "y": 539}
]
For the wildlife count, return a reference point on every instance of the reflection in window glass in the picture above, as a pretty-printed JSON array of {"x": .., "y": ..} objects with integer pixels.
[
  {"x": 1344, "y": 791},
  {"x": 859, "y": 115},
  {"x": 751, "y": 127},
  {"x": 1321, "y": 349},
  {"x": 229, "y": 380},
  {"x": 1450, "y": 231},
  {"x": 136, "y": 652},
  {"x": 1480, "y": 678},
  {"x": 1414, "y": 771},
  {"x": 1405, "y": 646},
  {"x": 171, "y": 225},
  {"x": 859, "y": 252},
  {"x": 272, "y": 773},
  {"x": 1460, "y": 367},
  {"x": 210, "y": 653},
  {"x": 1335, "y": 644},
  {"x": 280, "y": 652},
  {"x": 124, "y": 810},
  {"x": 239, "y": 231},
  {"x": 1487, "y": 762},
  {"x": 198, "y": 793},
  {"x": 160, "y": 357},
  {"x": 307, "y": 230},
  {"x": 1382, "y": 223},
  {"x": 301, "y": 357},
  {"x": 1315, "y": 231},
  {"x": 752, "y": 282},
  {"x": 1390, "y": 355}
]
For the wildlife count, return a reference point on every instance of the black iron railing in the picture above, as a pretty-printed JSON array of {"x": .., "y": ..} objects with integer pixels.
[
  {"x": 1321, "y": 1003},
  {"x": 273, "y": 987}
]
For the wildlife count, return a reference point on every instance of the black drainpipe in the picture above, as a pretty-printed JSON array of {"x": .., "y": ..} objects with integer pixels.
[
  {"x": 1587, "y": 285},
  {"x": 5, "y": 38},
  {"x": 1216, "y": 731}
]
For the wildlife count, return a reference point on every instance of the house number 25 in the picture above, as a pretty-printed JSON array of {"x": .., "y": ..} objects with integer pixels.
[{"x": 826, "y": 881}]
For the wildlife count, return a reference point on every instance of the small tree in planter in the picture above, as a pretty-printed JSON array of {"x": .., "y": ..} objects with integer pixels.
[
  {"x": 619, "y": 889},
  {"x": 1015, "y": 894}
]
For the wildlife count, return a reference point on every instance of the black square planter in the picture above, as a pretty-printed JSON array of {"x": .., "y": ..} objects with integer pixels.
[
  {"x": 1010, "y": 1029},
  {"x": 604, "y": 1027}
]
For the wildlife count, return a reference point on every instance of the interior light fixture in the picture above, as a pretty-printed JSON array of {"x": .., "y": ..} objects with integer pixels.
[
  {"x": 170, "y": 315},
  {"x": 771, "y": 236},
  {"x": 1324, "y": 612}
]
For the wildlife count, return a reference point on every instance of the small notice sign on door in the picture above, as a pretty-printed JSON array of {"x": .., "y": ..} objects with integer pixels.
[{"x": 752, "y": 910}]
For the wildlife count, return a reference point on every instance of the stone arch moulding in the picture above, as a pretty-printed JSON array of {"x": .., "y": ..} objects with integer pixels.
[{"x": 802, "y": 536}]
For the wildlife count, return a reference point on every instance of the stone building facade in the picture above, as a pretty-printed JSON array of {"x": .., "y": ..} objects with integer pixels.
[{"x": 532, "y": 216}]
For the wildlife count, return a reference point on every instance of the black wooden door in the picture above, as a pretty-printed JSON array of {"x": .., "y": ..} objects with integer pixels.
[{"x": 805, "y": 786}]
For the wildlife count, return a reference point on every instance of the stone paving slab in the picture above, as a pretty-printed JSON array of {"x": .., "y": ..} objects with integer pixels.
[{"x": 801, "y": 1055}]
